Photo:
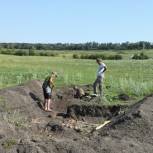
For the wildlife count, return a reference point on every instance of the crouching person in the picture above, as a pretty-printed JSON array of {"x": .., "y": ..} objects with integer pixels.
[
  {"x": 78, "y": 92},
  {"x": 48, "y": 86}
]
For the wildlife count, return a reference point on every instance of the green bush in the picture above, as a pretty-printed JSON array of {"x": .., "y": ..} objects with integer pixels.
[
  {"x": 21, "y": 53},
  {"x": 115, "y": 57},
  {"x": 47, "y": 54},
  {"x": 140, "y": 56},
  {"x": 104, "y": 57},
  {"x": 32, "y": 52},
  {"x": 7, "y": 52},
  {"x": 92, "y": 56},
  {"x": 76, "y": 56},
  {"x": 27, "y": 52}
]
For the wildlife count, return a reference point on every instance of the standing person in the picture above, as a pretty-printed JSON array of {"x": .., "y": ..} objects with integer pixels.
[
  {"x": 48, "y": 86},
  {"x": 100, "y": 76}
]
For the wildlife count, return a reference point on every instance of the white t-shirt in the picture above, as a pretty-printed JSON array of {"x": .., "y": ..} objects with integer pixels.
[{"x": 100, "y": 71}]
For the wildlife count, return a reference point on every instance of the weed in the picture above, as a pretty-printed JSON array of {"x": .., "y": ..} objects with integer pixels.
[{"x": 9, "y": 143}]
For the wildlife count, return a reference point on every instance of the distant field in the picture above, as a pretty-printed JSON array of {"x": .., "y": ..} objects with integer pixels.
[
  {"x": 126, "y": 54},
  {"x": 123, "y": 76}
]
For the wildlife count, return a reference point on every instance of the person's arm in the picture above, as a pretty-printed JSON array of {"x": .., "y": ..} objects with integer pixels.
[
  {"x": 52, "y": 82},
  {"x": 105, "y": 68}
]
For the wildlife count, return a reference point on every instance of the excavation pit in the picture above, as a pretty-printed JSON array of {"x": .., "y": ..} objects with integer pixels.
[{"x": 24, "y": 121}]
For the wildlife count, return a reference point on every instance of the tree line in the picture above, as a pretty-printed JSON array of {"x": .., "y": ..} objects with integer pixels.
[{"x": 80, "y": 46}]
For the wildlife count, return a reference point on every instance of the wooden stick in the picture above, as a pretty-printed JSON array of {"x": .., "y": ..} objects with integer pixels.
[{"x": 102, "y": 125}]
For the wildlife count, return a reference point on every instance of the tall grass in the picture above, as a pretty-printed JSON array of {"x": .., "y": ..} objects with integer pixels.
[
  {"x": 125, "y": 76},
  {"x": 131, "y": 87}
]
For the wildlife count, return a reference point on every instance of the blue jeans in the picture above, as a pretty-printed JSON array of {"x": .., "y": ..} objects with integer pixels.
[{"x": 98, "y": 82}]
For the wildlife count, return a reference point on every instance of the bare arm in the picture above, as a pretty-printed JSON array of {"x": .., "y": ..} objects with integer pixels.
[{"x": 52, "y": 82}]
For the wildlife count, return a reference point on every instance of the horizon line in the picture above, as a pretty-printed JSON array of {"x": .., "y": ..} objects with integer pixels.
[{"x": 1, "y": 42}]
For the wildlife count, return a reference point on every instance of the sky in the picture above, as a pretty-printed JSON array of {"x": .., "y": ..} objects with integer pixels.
[{"x": 76, "y": 21}]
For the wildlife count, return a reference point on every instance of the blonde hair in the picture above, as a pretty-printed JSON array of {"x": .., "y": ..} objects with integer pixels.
[
  {"x": 54, "y": 73},
  {"x": 99, "y": 60}
]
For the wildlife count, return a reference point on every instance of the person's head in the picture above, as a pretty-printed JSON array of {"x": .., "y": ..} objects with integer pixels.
[
  {"x": 54, "y": 74},
  {"x": 99, "y": 60},
  {"x": 75, "y": 87}
]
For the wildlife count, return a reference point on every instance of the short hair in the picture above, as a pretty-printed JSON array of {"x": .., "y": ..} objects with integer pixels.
[
  {"x": 99, "y": 60},
  {"x": 75, "y": 87}
]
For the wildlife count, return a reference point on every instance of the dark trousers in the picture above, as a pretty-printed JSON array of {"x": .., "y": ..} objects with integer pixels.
[{"x": 98, "y": 82}]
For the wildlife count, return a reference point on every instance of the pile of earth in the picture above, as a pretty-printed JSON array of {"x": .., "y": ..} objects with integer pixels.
[{"x": 26, "y": 128}]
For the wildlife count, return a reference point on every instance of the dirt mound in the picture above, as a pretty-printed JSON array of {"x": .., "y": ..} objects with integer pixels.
[
  {"x": 132, "y": 130},
  {"x": 26, "y": 128}
]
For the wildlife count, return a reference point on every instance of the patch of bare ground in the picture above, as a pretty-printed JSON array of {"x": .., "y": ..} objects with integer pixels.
[{"x": 26, "y": 128}]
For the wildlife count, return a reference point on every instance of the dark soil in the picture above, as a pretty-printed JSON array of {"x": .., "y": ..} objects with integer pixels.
[
  {"x": 123, "y": 97},
  {"x": 26, "y": 128}
]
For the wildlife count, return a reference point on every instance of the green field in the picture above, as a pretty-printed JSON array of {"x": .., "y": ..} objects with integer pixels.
[{"x": 133, "y": 77}]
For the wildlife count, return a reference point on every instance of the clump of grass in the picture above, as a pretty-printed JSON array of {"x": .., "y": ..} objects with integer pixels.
[
  {"x": 2, "y": 102},
  {"x": 15, "y": 119},
  {"x": 10, "y": 78},
  {"x": 9, "y": 143},
  {"x": 136, "y": 88},
  {"x": 131, "y": 87}
]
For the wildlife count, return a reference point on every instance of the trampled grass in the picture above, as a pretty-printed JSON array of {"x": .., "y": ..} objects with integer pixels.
[{"x": 123, "y": 76}]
